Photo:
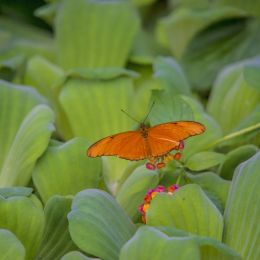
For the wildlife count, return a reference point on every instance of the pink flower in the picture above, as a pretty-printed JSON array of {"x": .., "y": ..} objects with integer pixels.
[{"x": 143, "y": 208}]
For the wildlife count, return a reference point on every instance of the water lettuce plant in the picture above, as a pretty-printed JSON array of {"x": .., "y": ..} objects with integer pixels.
[{"x": 63, "y": 82}]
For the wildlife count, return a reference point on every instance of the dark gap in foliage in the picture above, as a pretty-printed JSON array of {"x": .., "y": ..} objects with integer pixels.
[
  {"x": 219, "y": 31},
  {"x": 21, "y": 10},
  {"x": 152, "y": 13}
]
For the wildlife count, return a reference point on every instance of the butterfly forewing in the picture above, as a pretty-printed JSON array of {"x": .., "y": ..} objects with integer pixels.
[
  {"x": 128, "y": 145},
  {"x": 165, "y": 137}
]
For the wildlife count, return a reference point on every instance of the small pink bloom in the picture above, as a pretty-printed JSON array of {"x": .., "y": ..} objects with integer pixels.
[
  {"x": 150, "y": 166},
  {"x": 160, "y": 188},
  {"x": 181, "y": 145},
  {"x": 143, "y": 208}
]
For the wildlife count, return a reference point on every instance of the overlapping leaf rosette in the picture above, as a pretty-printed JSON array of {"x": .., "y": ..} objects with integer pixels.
[{"x": 98, "y": 62}]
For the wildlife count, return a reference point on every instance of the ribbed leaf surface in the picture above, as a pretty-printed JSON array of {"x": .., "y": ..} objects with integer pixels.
[
  {"x": 149, "y": 243},
  {"x": 98, "y": 225},
  {"x": 133, "y": 190},
  {"x": 25, "y": 219},
  {"x": 242, "y": 212},
  {"x": 10, "y": 246},
  {"x": 189, "y": 209},
  {"x": 93, "y": 33},
  {"x": 56, "y": 239},
  {"x": 28, "y": 127},
  {"x": 65, "y": 169}
]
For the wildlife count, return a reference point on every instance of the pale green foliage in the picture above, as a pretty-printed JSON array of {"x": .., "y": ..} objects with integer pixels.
[{"x": 63, "y": 90}]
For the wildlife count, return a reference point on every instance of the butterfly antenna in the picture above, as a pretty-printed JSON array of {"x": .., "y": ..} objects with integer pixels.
[
  {"x": 130, "y": 116},
  {"x": 149, "y": 111}
]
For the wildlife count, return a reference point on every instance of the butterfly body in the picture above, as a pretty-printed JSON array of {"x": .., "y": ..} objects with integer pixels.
[
  {"x": 143, "y": 130},
  {"x": 150, "y": 143}
]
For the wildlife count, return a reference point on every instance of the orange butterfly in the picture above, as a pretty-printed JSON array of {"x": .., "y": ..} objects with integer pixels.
[{"x": 152, "y": 143}]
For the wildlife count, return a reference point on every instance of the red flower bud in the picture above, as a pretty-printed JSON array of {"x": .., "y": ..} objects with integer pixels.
[
  {"x": 177, "y": 156},
  {"x": 150, "y": 166}
]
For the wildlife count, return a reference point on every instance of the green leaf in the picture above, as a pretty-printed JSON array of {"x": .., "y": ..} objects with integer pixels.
[
  {"x": 99, "y": 73},
  {"x": 65, "y": 169},
  {"x": 76, "y": 255},
  {"x": 93, "y": 108},
  {"x": 171, "y": 75},
  {"x": 141, "y": 3},
  {"x": 251, "y": 7},
  {"x": 14, "y": 31},
  {"x": 144, "y": 49},
  {"x": 168, "y": 108},
  {"x": 178, "y": 29},
  {"x": 48, "y": 84},
  {"x": 114, "y": 171},
  {"x": 251, "y": 73},
  {"x": 201, "y": 142},
  {"x": 133, "y": 190},
  {"x": 9, "y": 65},
  {"x": 98, "y": 225},
  {"x": 47, "y": 12},
  {"x": 15, "y": 191},
  {"x": 29, "y": 128},
  {"x": 143, "y": 90},
  {"x": 10, "y": 246},
  {"x": 241, "y": 216},
  {"x": 237, "y": 96},
  {"x": 46, "y": 81},
  {"x": 24, "y": 152},
  {"x": 204, "y": 160},
  {"x": 56, "y": 239},
  {"x": 209, "y": 248},
  {"x": 36, "y": 201},
  {"x": 188, "y": 208},
  {"x": 250, "y": 122},
  {"x": 150, "y": 243},
  {"x": 215, "y": 187},
  {"x": 214, "y": 249},
  {"x": 19, "y": 41},
  {"x": 25, "y": 219},
  {"x": 80, "y": 46},
  {"x": 218, "y": 45},
  {"x": 194, "y": 4},
  {"x": 173, "y": 232},
  {"x": 242, "y": 136},
  {"x": 234, "y": 158},
  {"x": 102, "y": 100}
]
